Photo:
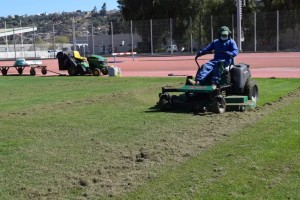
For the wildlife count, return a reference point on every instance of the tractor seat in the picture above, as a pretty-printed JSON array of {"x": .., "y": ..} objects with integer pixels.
[{"x": 78, "y": 57}]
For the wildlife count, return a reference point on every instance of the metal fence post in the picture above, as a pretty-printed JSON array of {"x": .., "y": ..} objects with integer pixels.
[
  {"x": 6, "y": 41},
  {"x": 239, "y": 23},
  {"x": 53, "y": 40},
  {"x": 87, "y": 41},
  {"x": 255, "y": 38},
  {"x": 74, "y": 35},
  {"x": 171, "y": 36},
  {"x": 112, "y": 37},
  {"x": 200, "y": 32},
  {"x": 14, "y": 37},
  {"x": 191, "y": 29},
  {"x": 33, "y": 40},
  {"x": 93, "y": 39},
  {"x": 211, "y": 28},
  {"x": 232, "y": 24},
  {"x": 277, "y": 30},
  {"x": 22, "y": 41},
  {"x": 131, "y": 31},
  {"x": 151, "y": 36}
]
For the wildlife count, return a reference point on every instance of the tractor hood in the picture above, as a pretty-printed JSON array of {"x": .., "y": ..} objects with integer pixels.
[{"x": 98, "y": 58}]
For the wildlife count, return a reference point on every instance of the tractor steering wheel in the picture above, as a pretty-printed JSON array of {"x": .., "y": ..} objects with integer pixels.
[
  {"x": 197, "y": 61},
  {"x": 212, "y": 52}
]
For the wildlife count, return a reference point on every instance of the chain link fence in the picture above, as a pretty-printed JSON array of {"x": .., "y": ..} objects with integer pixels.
[{"x": 270, "y": 31}]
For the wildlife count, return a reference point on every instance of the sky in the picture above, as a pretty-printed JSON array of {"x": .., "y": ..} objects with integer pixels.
[{"x": 32, "y": 7}]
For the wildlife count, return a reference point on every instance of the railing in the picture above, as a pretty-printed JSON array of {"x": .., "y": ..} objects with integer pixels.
[{"x": 272, "y": 31}]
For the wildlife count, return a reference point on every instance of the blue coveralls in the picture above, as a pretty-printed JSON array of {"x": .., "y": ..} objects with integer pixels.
[{"x": 224, "y": 51}]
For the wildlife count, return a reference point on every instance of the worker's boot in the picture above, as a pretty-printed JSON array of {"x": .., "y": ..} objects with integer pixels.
[
  {"x": 214, "y": 86},
  {"x": 192, "y": 82}
]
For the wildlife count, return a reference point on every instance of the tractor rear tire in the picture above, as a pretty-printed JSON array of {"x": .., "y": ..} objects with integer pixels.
[
  {"x": 72, "y": 71},
  {"x": 251, "y": 90},
  {"x": 80, "y": 70},
  {"x": 218, "y": 105}
]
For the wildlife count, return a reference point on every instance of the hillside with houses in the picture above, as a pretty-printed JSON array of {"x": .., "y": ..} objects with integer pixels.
[{"x": 60, "y": 25}]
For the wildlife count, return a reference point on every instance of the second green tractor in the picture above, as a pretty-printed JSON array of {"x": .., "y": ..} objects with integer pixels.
[{"x": 78, "y": 65}]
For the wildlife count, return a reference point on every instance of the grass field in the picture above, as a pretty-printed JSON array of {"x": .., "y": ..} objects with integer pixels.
[{"x": 99, "y": 138}]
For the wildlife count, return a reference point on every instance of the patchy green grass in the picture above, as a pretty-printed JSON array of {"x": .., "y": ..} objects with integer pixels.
[
  {"x": 260, "y": 162},
  {"x": 273, "y": 89},
  {"x": 70, "y": 137}
]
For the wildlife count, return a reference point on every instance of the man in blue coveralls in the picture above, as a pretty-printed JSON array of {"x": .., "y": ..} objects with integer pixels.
[{"x": 224, "y": 49}]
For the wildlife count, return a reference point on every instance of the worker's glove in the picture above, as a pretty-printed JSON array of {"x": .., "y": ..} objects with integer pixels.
[{"x": 228, "y": 53}]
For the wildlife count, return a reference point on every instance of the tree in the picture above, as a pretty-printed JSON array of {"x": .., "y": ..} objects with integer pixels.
[
  {"x": 94, "y": 11},
  {"x": 273, "y": 5},
  {"x": 156, "y": 9},
  {"x": 180, "y": 11},
  {"x": 103, "y": 10}
]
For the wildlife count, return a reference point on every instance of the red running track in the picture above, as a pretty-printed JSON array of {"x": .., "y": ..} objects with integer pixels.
[{"x": 264, "y": 65}]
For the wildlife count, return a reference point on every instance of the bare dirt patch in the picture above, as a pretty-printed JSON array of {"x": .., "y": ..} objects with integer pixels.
[{"x": 127, "y": 167}]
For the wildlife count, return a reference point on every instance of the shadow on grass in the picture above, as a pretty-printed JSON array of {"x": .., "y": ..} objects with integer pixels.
[{"x": 184, "y": 108}]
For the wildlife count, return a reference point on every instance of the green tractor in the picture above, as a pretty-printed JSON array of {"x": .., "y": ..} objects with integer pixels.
[
  {"x": 98, "y": 65},
  {"x": 237, "y": 91},
  {"x": 78, "y": 65}
]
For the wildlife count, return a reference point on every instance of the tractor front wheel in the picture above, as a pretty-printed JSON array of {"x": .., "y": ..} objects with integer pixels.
[
  {"x": 165, "y": 102},
  {"x": 97, "y": 72},
  {"x": 219, "y": 105},
  {"x": 104, "y": 71}
]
